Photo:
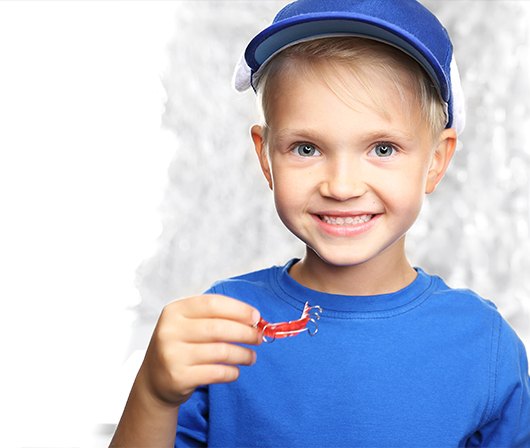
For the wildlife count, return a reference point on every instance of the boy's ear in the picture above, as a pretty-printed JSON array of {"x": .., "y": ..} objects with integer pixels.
[
  {"x": 443, "y": 153},
  {"x": 261, "y": 150}
]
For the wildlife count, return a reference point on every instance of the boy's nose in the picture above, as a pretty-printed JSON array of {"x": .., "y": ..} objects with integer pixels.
[{"x": 343, "y": 180}]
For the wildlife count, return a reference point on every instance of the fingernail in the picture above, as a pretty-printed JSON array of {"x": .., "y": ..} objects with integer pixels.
[
  {"x": 254, "y": 357},
  {"x": 255, "y": 317}
]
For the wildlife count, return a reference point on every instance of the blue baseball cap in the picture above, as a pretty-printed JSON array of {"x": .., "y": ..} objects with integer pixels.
[{"x": 404, "y": 24}]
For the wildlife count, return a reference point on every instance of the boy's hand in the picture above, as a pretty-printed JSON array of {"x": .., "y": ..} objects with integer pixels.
[{"x": 194, "y": 343}]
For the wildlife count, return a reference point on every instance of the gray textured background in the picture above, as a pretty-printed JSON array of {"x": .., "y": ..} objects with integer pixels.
[{"x": 218, "y": 214}]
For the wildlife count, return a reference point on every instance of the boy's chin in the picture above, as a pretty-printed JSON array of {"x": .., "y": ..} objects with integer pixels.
[{"x": 335, "y": 258}]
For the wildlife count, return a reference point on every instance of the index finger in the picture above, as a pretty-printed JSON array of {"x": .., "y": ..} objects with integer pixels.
[{"x": 218, "y": 306}]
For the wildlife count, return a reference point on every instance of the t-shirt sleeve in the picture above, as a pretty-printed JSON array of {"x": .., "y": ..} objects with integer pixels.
[
  {"x": 192, "y": 426},
  {"x": 508, "y": 422}
]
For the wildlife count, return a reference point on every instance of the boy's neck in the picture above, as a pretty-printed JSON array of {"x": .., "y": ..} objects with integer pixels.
[{"x": 370, "y": 278}]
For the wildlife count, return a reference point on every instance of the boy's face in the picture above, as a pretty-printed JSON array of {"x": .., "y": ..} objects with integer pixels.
[{"x": 349, "y": 180}]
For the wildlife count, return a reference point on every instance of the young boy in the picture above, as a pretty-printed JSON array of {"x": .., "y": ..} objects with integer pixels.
[{"x": 361, "y": 109}]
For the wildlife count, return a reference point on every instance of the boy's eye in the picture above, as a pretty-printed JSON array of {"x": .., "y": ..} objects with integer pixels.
[
  {"x": 384, "y": 150},
  {"x": 306, "y": 150}
]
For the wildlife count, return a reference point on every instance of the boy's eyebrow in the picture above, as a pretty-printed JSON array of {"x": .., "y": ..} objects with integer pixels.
[
  {"x": 374, "y": 135},
  {"x": 305, "y": 133},
  {"x": 389, "y": 135}
]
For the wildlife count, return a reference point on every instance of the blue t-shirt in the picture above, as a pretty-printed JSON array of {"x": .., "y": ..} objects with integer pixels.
[{"x": 427, "y": 366}]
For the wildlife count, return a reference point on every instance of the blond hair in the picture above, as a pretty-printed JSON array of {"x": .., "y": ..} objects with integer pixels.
[{"x": 365, "y": 59}]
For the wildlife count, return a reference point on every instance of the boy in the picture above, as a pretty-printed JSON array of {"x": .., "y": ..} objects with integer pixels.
[{"x": 361, "y": 109}]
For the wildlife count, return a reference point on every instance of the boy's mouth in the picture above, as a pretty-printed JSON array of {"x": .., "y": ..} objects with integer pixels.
[{"x": 345, "y": 220}]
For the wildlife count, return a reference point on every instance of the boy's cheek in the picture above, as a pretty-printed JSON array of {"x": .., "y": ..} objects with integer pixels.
[
  {"x": 408, "y": 209},
  {"x": 285, "y": 192},
  {"x": 294, "y": 185}
]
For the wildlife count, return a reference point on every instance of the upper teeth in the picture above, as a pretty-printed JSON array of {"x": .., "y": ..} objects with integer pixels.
[{"x": 359, "y": 219}]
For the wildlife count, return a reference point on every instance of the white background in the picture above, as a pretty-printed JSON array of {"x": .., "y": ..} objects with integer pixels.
[{"x": 83, "y": 166}]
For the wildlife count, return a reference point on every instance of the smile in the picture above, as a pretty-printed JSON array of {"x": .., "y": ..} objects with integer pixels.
[
  {"x": 345, "y": 220},
  {"x": 344, "y": 225}
]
